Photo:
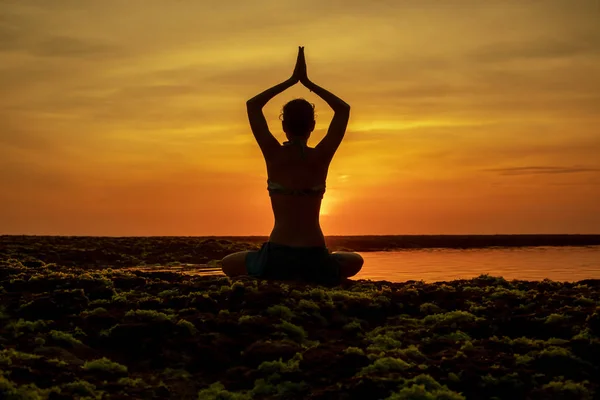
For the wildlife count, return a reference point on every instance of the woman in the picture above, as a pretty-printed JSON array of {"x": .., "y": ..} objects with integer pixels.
[{"x": 296, "y": 173}]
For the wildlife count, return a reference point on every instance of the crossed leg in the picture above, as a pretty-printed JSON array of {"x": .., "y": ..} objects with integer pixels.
[
  {"x": 235, "y": 264},
  {"x": 350, "y": 263}
]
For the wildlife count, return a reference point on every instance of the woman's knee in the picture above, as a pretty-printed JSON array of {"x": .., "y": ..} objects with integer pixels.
[
  {"x": 234, "y": 264},
  {"x": 356, "y": 263},
  {"x": 350, "y": 263}
]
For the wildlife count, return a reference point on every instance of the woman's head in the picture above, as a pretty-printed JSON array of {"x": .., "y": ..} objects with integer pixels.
[{"x": 298, "y": 118}]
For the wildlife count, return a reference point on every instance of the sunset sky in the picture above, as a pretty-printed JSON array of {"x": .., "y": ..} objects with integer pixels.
[{"x": 468, "y": 117}]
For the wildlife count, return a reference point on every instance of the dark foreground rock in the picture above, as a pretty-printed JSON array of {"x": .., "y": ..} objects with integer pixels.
[{"x": 68, "y": 332}]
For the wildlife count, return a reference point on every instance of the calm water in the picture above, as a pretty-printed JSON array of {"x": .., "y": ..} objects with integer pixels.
[
  {"x": 431, "y": 265},
  {"x": 527, "y": 263}
]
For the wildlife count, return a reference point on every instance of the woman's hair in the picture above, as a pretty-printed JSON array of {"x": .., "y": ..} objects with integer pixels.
[{"x": 298, "y": 117}]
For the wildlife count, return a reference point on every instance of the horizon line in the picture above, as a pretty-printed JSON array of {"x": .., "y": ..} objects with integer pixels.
[{"x": 262, "y": 236}]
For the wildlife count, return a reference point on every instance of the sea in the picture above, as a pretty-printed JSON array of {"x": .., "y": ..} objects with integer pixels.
[
  {"x": 536, "y": 263},
  {"x": 564, "y": 264}
]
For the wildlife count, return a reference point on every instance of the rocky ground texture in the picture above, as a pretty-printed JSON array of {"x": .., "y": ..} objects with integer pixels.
[{"x": 69, "y": 331}]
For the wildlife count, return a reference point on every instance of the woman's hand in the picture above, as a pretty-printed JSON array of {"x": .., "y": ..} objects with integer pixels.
[{"x": 300, "y": 69}]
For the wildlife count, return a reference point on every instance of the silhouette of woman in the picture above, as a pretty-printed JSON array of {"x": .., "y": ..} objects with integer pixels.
[{"x": 296, "y": 173}]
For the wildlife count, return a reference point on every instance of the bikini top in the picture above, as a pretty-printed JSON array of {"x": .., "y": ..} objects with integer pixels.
[{"x": 277, "y": 188}]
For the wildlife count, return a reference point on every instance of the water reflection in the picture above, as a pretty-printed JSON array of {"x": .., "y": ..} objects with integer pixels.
[
  {"x": 431, "y": 265},
  {"x": 527, "y": 263}
]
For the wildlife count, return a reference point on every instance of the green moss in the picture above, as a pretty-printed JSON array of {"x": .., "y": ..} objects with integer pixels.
[
  {"x": 281, "y": 311},
  {"x": 81, "y": 388},
  {"x": 118, "y": 298},
  {"x": 224, "y": 289},
  {"x": 150, "y": 315},
  {"x": 105, "y": 365},
  {"x": 413, "y": 353},
  {"x": 11, "y": 391},
  {"x": 280, "y": 367},
  {"x": 555, "y": 351},
  {"x": 556, "y": 319},
  {"x": 429, "y": 308},
  {"x": 65, "y": 337},
  {"x": 273, "y": 387},
  {"x": 475, "y": 290},
  {"x": 584, "y": 301},
  {"x": 383, "y": 342},
  {"x": 556, "y": 342},
  {"x": 527, "y": 342},
  {"x": 138, "y": 382},
  {"x": 467, "y": 346},
  {"x": 56, "y": 362},
  {"x": 17, "y": 328},
  {"x": 504, "y": 293},
  {"x": 187, "y": 325},
  {"x": 352, "y": 326},
  {"x": 217, "y": 391},
  {"x": 293, "y": 331},
  {"x": 247, "y": 318},
  {"x": 100, "y": 302},
  {"x": 175, "y": 373},
  {"x": 318, "y": 294},
  {"x": 567, "y": 390},
  {"x": 238, "y": 285},
  {"x": 452, "y": 318},
  {"x": 424, "y": 387},
  {"x": 585, "y": 334},
  {"x": 385, "y": 365},
  {"x": 8, "y": 355},
  {"x": 309, "y": 305},
  {"x": 492, "y": 280},
  {"x": 354, "y": 350},
  {"x": 476, "y": 308},
  {"x": 3, "y": 313},
  {"x": 169, "y": 293},
  {"x": 521, "y": 359}
]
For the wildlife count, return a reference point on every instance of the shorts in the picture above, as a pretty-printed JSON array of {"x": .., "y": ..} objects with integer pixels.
[{"x": 310, "y": 264}]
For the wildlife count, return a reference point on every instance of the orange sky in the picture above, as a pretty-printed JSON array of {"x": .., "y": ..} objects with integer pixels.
[{"x": 468, "y": 117}]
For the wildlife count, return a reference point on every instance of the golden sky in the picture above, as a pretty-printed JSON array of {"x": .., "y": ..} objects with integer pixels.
[{"x": 468, "y": 117}]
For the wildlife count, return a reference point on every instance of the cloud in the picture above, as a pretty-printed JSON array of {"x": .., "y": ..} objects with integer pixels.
[
  {"x": 15, "y": 137},
  {"x": 66, "y": 46},
  {"x": 542, "y": 48},
  {"x": 534, "y": 170},
  {"x": 16, "y": 38},
  {"x": 24, "y": 31}
]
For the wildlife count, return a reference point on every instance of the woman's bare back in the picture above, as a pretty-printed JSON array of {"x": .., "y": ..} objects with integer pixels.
[{"x": 297, "y": 217}]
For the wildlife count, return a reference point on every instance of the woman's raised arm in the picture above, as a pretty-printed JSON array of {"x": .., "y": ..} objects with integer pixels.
[
  {"x": 328, "y": 146},
  {"x": 258, "y": 123},
  {"x": 260, "y": 100},
  {"x": 337, "y": 129}
]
